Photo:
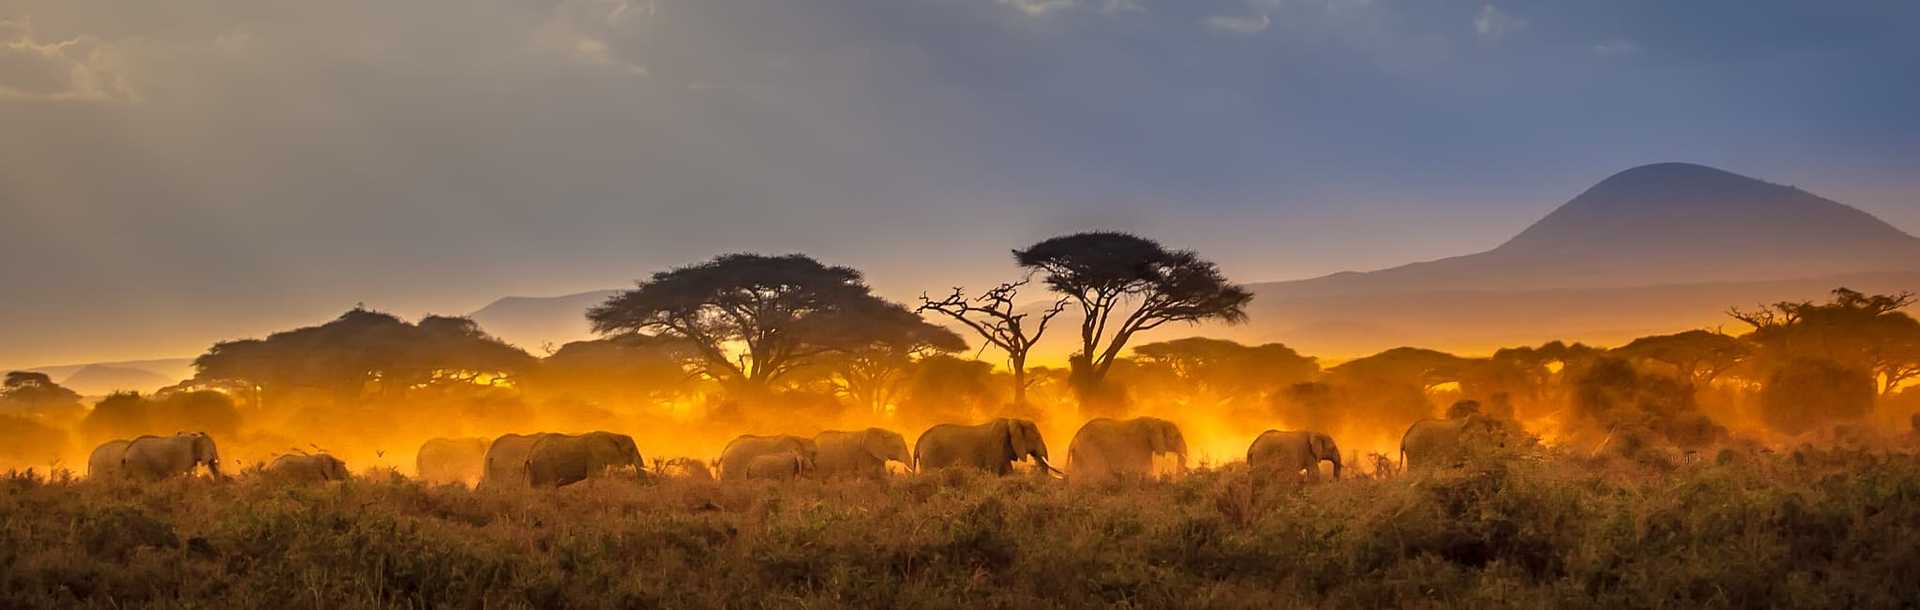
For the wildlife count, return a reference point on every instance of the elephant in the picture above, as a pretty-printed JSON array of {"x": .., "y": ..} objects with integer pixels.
[
  {"x": 505, "y": 462},
  {"x": 309, "y": 468},
  {"x": 564, "y": 459},
  {"x": 1291, "y": 451},
  {"x": 859, "y": 453},
  {"x": 737, "y": 454},
  {"x": 105, "y": 460},
  {"x": 159, "y": 457},
  {"x": 1106, "y": 448},
  {"x": 451, "y": 460},
  {"x": 783, "y": 466},
  {"x": 1436, "y": 442},
  {"x": 993, "y": 446}
]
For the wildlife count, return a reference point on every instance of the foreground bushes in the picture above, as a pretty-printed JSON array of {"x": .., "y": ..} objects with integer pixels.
[{"x": 1754, "y": 532}]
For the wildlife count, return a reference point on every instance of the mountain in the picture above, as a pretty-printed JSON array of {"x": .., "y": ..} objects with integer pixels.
[
  {"x": 1661, "y": 224},
  {"x": 1656, "y": 248},
  {"x": 1653, "y": 249},
  {"x": 101, "y": 378},
  {"x": 534, "y": 322}
]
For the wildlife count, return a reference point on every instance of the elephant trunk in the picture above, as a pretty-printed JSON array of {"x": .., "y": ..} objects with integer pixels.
[{"x": 1336, "y": 470}]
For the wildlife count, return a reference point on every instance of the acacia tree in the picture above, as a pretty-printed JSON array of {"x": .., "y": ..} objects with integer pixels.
[
  {"x": 362, "y": 353},
  {"x": 1223, "y": 371},
  {"x": 993, "y": 316},
  {"x": 1699, "y": 356},
  {"x": 874, "y": 374},
  {"x": 620, "y": 370},
  {"x": 779, "y": 313},
  {"x": 1858, "y": 331},
  {"x": 36, "y": 390},
  {"x": 1125, "y": 285}
]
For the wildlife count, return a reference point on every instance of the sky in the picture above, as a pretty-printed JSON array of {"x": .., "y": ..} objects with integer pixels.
[{"x": 175, "y": 173}]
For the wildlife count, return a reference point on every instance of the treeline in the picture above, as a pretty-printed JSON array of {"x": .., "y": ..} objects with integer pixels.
[{"x": 747, "y": 342}]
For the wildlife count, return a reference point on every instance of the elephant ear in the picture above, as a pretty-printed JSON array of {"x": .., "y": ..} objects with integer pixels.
[
  {"x": 1009, "y": 436},
  {"x": 1163, "y": 434},
  {"x": 1323, "y": 447},
  {"x": 1029, "y": 435},
  {"x": 1176, "y": 442},
  {"x": 875, "y": 442}
]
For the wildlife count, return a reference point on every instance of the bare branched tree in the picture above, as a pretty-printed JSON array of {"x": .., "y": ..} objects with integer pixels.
[{"x": 995, "y": 316}]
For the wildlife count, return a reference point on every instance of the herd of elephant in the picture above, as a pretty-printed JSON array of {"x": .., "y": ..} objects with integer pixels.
[{"x": 1103, "y": 449}]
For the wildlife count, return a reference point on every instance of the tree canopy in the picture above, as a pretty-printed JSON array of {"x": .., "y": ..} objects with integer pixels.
[
  {"x": 363, "y": 353},
  {"x": 781, "y": 312},
  {"x": 35, "y": 390},
  {"x": 1125, "y": 285},
  {"x": 1698, "y": 356},
  {"x": 1864, "y": 332},
  {"x": 1226, "y": 370}
]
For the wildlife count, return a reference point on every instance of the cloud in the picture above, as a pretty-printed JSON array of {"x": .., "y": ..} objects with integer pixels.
[
  {"x": 1239, "y": 24},
  {"x": 1493, "y": 24},
  {"x": 1042, "y": 7},
  {"x": 1616, "y": 48},
  {"x": 82, "y": 68}
]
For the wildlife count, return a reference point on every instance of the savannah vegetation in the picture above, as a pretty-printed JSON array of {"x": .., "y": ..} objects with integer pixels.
[{"x": 1767, "y": 465}]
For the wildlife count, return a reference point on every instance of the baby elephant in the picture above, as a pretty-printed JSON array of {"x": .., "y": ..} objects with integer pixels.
[
  {"x": 308, "y": 468},
  {"x": 779, "y": 466},
  {"x": 1288, "y": 452}
]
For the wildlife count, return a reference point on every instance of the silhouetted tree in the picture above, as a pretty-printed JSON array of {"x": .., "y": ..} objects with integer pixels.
[
  {"x": 785, "y": 310},
  {"x": 995, "y": 316},
  {"x": 871, "y": 375},
  {"x": 1417, "y": 367},
  {"x": 625, "y": 369},
  {"x": 1806, "y": 393},
  {"x": 119, "y": 415},
  {"x": 948, "y": 389},
  {"x": 1217, "y": 371},
  {"x": 362, "y": 353},
  {"x": 1126, "y": 285},
  {"x": 36, "y": 391},
  {"x": 1854, "y": 330},
  {"x": 1698, "y": 356},
  {"x": 1611, "y": 396}
]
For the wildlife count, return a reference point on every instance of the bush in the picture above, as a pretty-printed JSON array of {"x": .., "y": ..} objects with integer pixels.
[
  {"x": 1807, "y": 393},
  {"x": 1760, "y": 531}
]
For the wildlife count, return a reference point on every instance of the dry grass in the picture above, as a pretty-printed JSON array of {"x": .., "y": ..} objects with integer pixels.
[{"x": 1824, "y": 531}]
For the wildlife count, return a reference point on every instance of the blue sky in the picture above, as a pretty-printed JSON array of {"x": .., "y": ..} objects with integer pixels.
[{"x": 180, "y": 172}]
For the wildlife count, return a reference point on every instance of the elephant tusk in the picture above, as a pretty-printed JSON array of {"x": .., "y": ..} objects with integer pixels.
[{"x": 1049, "y": 466}]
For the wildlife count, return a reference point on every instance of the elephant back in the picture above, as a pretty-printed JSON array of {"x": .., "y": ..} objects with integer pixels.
[
  {"x": 303, "y": 467},
  {"x": 168, "y": 456},
  {"x": 736, "y": 457},
  {"x": 777, "y": 466},
  {"x": 505, "y": 462},
  {"x": 1280, "y": 449},
  {"x": 859, "y": 453},
  {"x": 105, "y": 459}
]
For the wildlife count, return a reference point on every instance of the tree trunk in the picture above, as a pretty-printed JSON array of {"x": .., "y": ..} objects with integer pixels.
[{"x": 1020, "y": 379}]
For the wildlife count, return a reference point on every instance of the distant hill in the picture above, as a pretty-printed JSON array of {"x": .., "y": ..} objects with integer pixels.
[
  {"x": 1656, "y": 248},
  {"x": 530, "y": 322},
  {"x": 101, "y": 378},
  {"x": 1661, "y": 224},
  {"x": 1653, "y": 249}
]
